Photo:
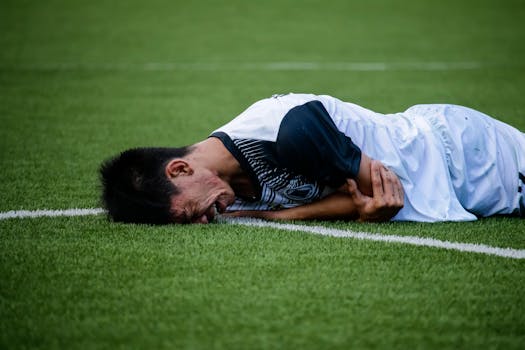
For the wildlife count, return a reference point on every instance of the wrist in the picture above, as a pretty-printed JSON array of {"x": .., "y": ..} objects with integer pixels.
[{"x": 274, "y": 215}]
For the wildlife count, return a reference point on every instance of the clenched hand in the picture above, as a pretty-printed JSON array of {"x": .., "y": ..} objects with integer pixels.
[{"x": 387, "y": 198}]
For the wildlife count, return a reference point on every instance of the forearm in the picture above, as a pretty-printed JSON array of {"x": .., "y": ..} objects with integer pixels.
[
  {"x": 348, "y": 203},
  {"x": 364, "y": 177},
  {"x": 337, "y": 206}
]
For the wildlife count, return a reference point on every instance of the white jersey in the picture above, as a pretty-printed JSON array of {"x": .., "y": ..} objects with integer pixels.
[{"x": 454, "y": 163}]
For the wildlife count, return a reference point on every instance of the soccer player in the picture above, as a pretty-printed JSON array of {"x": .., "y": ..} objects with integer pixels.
[{"x": 302, "y": 156}]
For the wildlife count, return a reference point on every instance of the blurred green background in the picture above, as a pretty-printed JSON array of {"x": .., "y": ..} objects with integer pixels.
[
  {"x": 78, "y": 79},
  {"x": 82, "y": 80}
]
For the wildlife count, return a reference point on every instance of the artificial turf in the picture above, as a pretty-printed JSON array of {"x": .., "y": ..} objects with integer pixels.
[
  {"x": 84, "y": 282},
  {"x": 82, "y": 80}
]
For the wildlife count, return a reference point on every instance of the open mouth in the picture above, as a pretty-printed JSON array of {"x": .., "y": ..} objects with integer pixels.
[
  {"x": 216, "y": 208},
  {"x": 220, "y": 207},
  {"x": 210, "y": 213}
]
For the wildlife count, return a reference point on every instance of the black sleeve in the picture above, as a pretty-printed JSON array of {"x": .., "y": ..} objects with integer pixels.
[{"x": 310, "y": 144}]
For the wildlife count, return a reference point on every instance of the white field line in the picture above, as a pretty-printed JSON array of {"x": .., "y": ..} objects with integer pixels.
[
  {"x": 318, "y": 230},
  {"x": 252, "y": 66},
  {"x": 412, "y": 240},
  {"x": 22, "y": 214}
]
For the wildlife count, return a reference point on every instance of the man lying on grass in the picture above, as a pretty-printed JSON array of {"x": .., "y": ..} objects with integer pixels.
[{"x": 302, "y": 157}]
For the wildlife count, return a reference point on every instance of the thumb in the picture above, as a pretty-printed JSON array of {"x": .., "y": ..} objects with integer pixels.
[{"x": 352, "y": 188}]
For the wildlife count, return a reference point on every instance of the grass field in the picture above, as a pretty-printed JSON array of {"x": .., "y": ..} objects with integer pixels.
[{"x": 81, "y": 80}]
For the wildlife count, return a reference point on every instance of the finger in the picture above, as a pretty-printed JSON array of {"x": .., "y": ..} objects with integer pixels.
[
  {"x": 398, "y": 190},
  {"x": 375, "y": 177},
  {"x": 352, "y": 188},
  {"x": 397, "y": 187},
  {"x": 360, "y": 199},
  {"x": 387, "y": 183}
]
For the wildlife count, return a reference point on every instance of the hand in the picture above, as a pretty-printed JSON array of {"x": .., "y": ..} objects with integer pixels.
[
  {"x": 387, "y": 198},
  {"x": 259, "y": 214}
]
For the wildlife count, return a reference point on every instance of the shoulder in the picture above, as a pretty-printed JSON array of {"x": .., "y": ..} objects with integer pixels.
[{"x": 263, "y": 118}]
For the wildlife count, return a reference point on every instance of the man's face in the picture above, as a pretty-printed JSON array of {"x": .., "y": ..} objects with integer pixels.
[{"x": 201, "y": 195}]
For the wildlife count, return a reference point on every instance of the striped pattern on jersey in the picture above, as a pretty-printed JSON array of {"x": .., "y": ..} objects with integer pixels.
[{"x": 280, "y": 188}]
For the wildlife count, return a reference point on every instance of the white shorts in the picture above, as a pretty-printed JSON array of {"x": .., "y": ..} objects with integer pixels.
[
  {"x": 455, "y": 163},
  {"x": 485, "y": 157}
]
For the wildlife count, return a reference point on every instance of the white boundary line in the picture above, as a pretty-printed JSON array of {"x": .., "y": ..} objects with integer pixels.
[
  {"x": 318, "y": 230},
  {"x": 412, "y": 240},
  {"x": 22, "y": 214},
  {"x": 252, "y": 66}
]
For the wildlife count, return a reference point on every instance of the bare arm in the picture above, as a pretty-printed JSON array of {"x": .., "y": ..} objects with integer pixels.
[
  {"x": 333, "y": 207},
  {"x": 349, "y": 203}
]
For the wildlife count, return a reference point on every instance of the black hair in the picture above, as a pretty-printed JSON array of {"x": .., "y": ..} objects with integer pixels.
[{"x": 135, "y": 188}]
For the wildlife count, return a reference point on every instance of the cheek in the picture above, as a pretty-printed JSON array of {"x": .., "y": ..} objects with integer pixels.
[
  {"x": 210, "y": 181},
  {"x": 177, "y": 205},
  {"x": 178, "y": 212},
  {"x": 198, "y": 194},
  {"x": 208, "y": 185}
]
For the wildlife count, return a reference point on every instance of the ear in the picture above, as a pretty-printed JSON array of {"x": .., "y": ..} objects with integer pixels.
[{"x": 176, "y": 167}]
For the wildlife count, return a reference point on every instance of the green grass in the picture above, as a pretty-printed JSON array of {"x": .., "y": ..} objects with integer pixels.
[
  {"x": 72, "y": 92},
  {"x": 86, "y": 282}
]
